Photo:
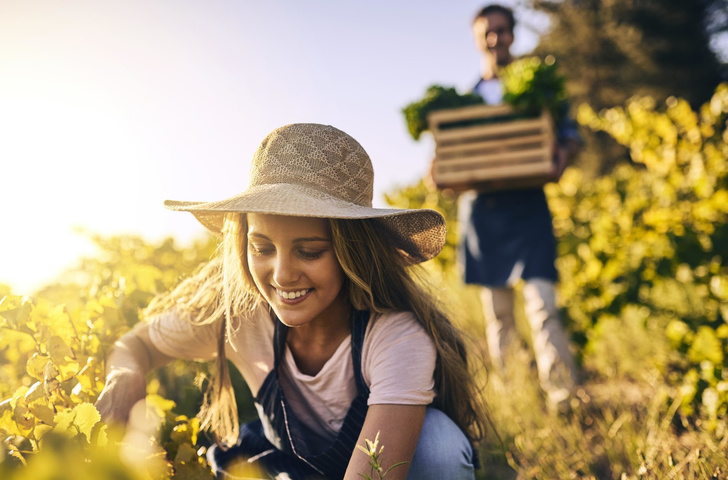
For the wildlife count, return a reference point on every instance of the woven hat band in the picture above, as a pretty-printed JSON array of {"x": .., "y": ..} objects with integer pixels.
[{"x": 318, "y": 157}]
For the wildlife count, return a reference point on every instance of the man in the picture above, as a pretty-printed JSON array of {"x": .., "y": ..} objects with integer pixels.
[{"x": 508, "y": 234}]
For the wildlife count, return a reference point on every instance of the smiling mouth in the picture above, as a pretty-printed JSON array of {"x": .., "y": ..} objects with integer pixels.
[{"x": 292, "y": 295}]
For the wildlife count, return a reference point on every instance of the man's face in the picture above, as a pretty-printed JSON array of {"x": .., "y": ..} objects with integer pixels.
[{"x": 494, "y": 36}]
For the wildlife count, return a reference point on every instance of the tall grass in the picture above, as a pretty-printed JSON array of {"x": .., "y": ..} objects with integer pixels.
[{"x": 622, "y": 422}]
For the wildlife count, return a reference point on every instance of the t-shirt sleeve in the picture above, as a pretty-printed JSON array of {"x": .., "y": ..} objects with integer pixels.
[
  {"x": 173, "y": 334},
  {"x": 398, "y": 361}
]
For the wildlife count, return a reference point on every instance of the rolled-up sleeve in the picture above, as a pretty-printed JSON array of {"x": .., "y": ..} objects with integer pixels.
[{"x": 173, "y": 334}]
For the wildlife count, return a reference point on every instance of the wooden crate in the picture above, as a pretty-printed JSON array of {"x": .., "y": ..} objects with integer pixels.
[{"x": 502, "y": 153}]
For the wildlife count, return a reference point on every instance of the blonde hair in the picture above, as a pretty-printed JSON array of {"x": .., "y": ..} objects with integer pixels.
[
  {"x": 378, "y": 279},
  {"x": 223, "y": 291}
]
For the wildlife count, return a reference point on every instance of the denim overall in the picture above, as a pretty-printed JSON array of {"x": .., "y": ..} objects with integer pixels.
[{"x": 277, "y": 440}]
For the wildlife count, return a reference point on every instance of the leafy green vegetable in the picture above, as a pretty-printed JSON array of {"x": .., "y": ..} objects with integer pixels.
[
  {"x": 436, "y": 98},
  {"x": 530, "y": 85}
]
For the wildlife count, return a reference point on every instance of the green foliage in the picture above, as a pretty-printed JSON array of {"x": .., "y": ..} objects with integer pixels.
[
  {"x": 52, "y": 352},
  {"x": 529, "y": 84},
  {"x": 644, "y": 289},
  {"x": 614, "y": 50},
  {"x": 436, "y": 98},
  {"x": 655, "y": 235},
  {"x": 617, "y": 49},
  {"x": 532, "y": 85}
]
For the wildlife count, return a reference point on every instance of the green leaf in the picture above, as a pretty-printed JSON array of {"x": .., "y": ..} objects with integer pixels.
[
  {"x": 86, "y": 416},
  {"x": 42, "y": 410},
  {"x": 81, "y": 419},
  {"x": 16, "y": 316},
  {"x": 99, "y": 435},
  {"x": 36, "y": 366},
  {"x": 64, "y": 423},
  {"x": 59, "y": 351},
  {"x": 676, "y": 332},
  {"x": 159, "y": 405},
  {"x": 185, "y": 431},
  {"x": 436, "y": 98},
  {"x": 185, "y": 453},
  {"x": 87, "y": 376},
  {"x": 61, "y": 322},
  {"x": 22, "y": 417},
  {"x": 706, "y": 346}
]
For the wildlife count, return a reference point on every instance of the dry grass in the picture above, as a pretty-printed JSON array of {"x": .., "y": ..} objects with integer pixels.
[
  {"x": 610, "y": 430},
  {"x": 622, "y": 423}
]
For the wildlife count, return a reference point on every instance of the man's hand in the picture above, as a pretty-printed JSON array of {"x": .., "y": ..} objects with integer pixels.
[{"x": 564, "y": 154}]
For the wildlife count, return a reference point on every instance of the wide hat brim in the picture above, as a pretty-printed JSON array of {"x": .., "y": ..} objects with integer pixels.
[{"x": 419, "y": 234}]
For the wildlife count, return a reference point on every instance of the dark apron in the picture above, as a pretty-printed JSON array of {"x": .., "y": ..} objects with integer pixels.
[{"x": 278, "y": 440}]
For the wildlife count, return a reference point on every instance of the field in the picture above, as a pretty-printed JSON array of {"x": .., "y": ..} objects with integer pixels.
[{"x": 643, "y": 292}]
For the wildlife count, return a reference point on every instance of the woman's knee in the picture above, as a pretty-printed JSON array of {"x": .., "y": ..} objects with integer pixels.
[{"x": 443, "y": 450}]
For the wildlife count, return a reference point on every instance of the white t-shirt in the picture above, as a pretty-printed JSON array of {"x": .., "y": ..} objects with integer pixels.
[
  {"x": 398, "y": 363},
  {"x": 491, "y": 91}
]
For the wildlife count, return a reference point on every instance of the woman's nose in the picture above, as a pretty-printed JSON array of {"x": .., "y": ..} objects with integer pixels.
[{"x": 285, "y": 271}]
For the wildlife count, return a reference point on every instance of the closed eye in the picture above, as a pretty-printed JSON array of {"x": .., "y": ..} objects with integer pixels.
[
  {"x": 260, "y": 249},
  {"x": 311, "y": 254}
]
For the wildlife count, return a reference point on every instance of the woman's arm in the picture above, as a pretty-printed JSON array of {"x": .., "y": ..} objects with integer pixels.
[
  {"x": 399, "y": 428},
  {"x": 131, "y": 358}
]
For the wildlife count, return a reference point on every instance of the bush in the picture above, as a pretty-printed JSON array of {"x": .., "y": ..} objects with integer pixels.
[
  {"x": 53, "y": 351},
  {"x": 653, "y": 238},
  {"x": 644, "y": 289}
]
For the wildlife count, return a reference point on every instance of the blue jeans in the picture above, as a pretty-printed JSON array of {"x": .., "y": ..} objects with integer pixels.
[{"x": 443, "y": 451}]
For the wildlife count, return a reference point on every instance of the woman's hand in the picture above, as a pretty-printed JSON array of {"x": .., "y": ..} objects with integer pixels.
[
  {"x": 124, "y": 388},
  {"x": 133, "y": 356}
]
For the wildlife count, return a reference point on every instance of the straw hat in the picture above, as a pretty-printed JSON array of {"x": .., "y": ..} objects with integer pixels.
[{"x": 311, "y": 170}]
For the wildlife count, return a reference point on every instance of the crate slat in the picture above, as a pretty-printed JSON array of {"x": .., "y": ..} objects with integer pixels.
[
  {"x": 483, "y": 162},
  {"x": 468, "y": 113},
  {"x": 496, "y": 173},
  {"x": 497, "y": 145},
  {"x": 512, "y": 150},
  {"x": 514, "y": 127}
]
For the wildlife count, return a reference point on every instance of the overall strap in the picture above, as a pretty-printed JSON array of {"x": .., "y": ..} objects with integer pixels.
[
  {"x": 358, "y": 330},
  {"x": 283, "y": 428},
  {"x": 279, "y": 342}
]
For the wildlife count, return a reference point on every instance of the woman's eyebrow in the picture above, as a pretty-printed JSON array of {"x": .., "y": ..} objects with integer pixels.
[
  {"x": 295, "y": 240},
  {"x": 257, "y": 235},
  {"x": 311, "y": 239}
]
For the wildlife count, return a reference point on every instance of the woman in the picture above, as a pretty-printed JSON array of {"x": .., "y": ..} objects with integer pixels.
[{"x": 312, "y": 299}]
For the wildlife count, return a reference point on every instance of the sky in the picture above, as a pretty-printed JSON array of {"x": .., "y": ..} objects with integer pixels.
[{"x": 108, "y": 107}]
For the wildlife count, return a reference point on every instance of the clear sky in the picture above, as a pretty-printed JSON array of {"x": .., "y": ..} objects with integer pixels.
[{"x": 109, "y": 107}]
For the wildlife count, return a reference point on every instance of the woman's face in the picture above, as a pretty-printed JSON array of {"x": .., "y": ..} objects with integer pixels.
[{"x": 293, "y": 265}]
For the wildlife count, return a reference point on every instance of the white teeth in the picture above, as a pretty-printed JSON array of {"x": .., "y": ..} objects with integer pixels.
[{"x": 291, "y": 295}]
